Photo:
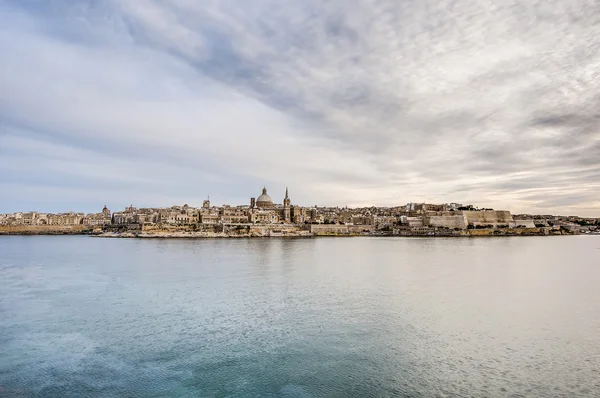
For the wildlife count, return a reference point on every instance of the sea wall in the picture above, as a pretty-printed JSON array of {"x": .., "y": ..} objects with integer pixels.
[
  {"x": 276, "y": 230},
  {"x": 508, "y": 232},
  {"x": 336, "y": 229},
  {"x": 169, "y": 228},
  {"x": 523, "y": 223},
  {"x": 476, "y": 218},
  {"x": 44, "y": 229},
  {"x": 328, "y": 229},
  {"x": 211, "y": 231}
]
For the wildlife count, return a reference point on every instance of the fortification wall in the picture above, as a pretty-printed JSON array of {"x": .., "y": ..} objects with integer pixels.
[
  {"x": 415, "y": 221},
  {"x": 506, "y": 232},
  {"x": 357, "y": 229},
  {"x": 328, "y": 229},
  {"x": 164, "y": 228},
  {"x": 488, "y": 217},
  {"x": 456, "y": 221},
  {"x": 44, "y": 229},
  {"x": 336, "y": 229},
  {"x": 275, "y": 230},
  {"x": 524, "y": 223}
]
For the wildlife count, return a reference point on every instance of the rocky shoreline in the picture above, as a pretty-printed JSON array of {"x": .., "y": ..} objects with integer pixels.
[
  {"x": 197, "y": 235},
  {"x": 255, "y": 230},
  {"x": 186, "y": 234},
  {"x": 46, "y": 230}
]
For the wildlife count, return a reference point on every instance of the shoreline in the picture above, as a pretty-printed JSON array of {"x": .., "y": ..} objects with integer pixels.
[
  {"x": 128, "y": 235},
  {"x": 270, "y": 231}
]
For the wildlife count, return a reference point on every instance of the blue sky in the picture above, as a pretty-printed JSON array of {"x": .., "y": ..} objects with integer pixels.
[{"x": 353, "y": 103}]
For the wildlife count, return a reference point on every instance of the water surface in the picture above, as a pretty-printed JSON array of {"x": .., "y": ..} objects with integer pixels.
[{"x": 326, "y": 317}]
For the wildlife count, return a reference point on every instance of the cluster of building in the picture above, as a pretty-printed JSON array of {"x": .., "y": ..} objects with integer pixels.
[
  {"x": 34, "y": 218},
  {"x": 262, "y": 210}
]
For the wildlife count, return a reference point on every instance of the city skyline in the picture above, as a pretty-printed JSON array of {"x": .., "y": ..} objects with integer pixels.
[
  {"x": 264, "y": 216},
  {"x": 199, "y": 203},
  {"x": 254, "y": 201},
  {"x": 376, "y": 104}
]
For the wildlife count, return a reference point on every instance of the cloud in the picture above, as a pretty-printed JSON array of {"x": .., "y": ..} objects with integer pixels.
[{"x": 375, "y": 102}]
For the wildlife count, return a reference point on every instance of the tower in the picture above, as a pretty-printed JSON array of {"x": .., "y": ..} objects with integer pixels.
[{"x": 286, "y": 207}]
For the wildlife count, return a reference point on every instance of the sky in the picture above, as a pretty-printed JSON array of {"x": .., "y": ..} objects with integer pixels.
[{"x": 346, "y": 102}]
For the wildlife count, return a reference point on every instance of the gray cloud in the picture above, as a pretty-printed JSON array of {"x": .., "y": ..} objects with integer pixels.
[{"x": 377, "y": 101}]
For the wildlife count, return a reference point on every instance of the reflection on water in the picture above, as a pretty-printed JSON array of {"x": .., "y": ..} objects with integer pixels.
[{"x": 300, "y": 317}]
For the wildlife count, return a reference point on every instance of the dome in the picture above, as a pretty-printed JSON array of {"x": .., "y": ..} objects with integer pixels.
[{"x": 264, "y": 200}]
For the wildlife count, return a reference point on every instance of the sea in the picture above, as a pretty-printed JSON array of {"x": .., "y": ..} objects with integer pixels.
[{"x": 300, "y": 317}]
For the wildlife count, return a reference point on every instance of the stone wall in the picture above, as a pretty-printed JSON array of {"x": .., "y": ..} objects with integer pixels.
[
  {"x": 170, "y": 228},
  {"x": 525, "y": 223},
  {"x": 44, "y": 229},
  {"x": 275, "y": 230},
  {"x": 358, "y": 229},
  {"x": 455, "y": 221},
  {"x": 488, "y": 217},
  {"x": 507, "y": 232},
  {"x": 317, "y": 229},
  {"x": 415, "y": 221},
  {"x": 337, "y": 229}
]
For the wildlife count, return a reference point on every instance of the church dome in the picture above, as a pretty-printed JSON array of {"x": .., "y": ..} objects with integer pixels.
[{"x": 264, "y": 200}]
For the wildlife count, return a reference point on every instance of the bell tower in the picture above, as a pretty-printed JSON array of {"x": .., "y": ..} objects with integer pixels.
[{"x": 286, "y": 207}]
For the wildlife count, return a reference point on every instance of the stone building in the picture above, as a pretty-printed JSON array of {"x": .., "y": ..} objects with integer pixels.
[
  {"x": 175, "y": 216},
  {"x": 102, "y": 218},
  {"x": 209, "y": 218},
  {"x": 300, "y": 215},
  {"x": 65, "y": 219},
  {"x": 122, "y": 218},
  {"x": 233, "y": 215},
  {"x": 30, "y": 218},
  {"x": 264, "y": 211},
  {"x": 264, "y": 217}
]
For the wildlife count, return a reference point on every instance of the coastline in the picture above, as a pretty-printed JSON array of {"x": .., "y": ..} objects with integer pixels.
[
  {"x": 8, "y": 230},
  {"x": 270, "y": 232}
]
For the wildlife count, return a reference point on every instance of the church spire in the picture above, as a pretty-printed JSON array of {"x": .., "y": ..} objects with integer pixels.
[{"x": 286, "y": 207}]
